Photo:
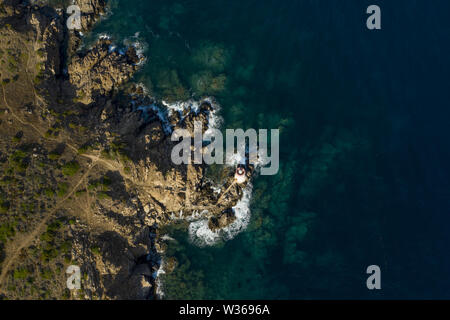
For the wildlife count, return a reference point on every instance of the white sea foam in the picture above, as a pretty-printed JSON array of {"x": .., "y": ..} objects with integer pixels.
[
  {"x": 167, "y": 238},
  {"x": 199, "y": 232},
  {"x": 216, "y": 189},
  {"x": 144, "y": 88},
  {"x": 140, "y": 45},
  {"x": 235, "y": 159},
  {"x": 194, "y": 216},
  {"x": 141, "y": 48},
  {"x": 201, "y": 235},
  {"x": 158, "y": 282},
  {"x": 214, "y": 119},
  {"x": 104, "y": 36},
  {"x": 162, "y": 116},
  {"x": 181, "y": 106}
]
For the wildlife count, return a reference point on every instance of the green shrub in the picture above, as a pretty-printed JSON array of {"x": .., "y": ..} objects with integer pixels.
[
  {"x": 18, "y": 160},
  {"x": 49, "y": 192},
  {"x": 7, "y": 230},
  {"x": 107, "y": 154},
  {"x": 52, "y": 229},
  {"x": 85, "y": 149},
  {"x": 66, "y": 246},
  {"x": 48, "y": 253},
  {"x": 62, "y": 189},
  {"x": 79, "y": 193},
  {"x": 47, "y": 274},
  {"x": 41, "y": 53},
  {"x": 54, "y": 156},
  {"x": 95, "y": 250},
  {"x": 48, "y": 237},
  {"x": 21, "y": 273},
  {"x": 66, "y": 294},
  {"x": 71, "y": 168},
  {"x": 28, "y": 207},
  {"x": 55, "y": 226},
  {"x": 103, "y": 184},
  {"x": 103, "y": 196},
  {"x": 4, "y": 206}
]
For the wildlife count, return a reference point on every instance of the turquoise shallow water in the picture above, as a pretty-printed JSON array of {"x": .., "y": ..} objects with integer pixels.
[{"x": 364, "y": 140}]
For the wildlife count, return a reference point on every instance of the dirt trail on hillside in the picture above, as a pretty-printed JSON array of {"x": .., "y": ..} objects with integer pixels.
[{"x": 29, "y": 238}]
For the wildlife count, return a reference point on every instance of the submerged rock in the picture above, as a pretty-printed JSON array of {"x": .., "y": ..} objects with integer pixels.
[{"x": 223, "y": 220}]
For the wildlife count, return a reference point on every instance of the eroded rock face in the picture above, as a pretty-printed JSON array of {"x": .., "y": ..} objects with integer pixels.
[
  {"x": 90, "y": 11},
  {"x": 100, "y": 70},
  {"x": 49, "y": 32},
  {"x": 169, "y": 188},
  {"x": 222, "y": 220},
  {"x": 151, "y": 135}
]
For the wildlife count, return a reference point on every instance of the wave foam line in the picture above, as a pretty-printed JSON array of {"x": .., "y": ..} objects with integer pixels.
[{"x": 201, "y": 235}]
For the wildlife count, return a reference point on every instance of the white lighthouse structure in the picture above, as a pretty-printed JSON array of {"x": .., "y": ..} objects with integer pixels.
[{"x": 240, "y": 175}]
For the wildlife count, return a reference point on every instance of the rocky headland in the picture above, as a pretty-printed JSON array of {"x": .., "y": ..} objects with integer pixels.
[{"x": 94, "y": 162}]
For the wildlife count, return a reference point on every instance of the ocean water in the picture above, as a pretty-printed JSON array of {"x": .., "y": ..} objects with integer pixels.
[{"x": 364, "y": 143}]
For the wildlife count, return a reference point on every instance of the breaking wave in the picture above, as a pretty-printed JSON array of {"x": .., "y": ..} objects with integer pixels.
[
  {"x": 201, "y": 235},
  {"x": 214, "y": 119},
  {"x": 139, "y": 45},
  {"x": 158, "y": 283}
]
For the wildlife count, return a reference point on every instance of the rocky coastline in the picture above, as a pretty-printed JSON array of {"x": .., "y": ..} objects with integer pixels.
[{"x": 83, "y": 101}]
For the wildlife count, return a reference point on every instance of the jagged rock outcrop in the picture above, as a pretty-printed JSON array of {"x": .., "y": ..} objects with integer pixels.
[
  {"x": 90, "y": 11},
  {"x": 222, "y": 220},
  {"x": 49, "y": 33},
  {"x": 100, "y": 70}
]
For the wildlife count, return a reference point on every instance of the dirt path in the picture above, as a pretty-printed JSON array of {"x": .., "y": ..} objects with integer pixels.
[
  {"x": 30, "y": 54},
  {"x": 20, "y": 242},
  {"x": 29, "y": 238}
]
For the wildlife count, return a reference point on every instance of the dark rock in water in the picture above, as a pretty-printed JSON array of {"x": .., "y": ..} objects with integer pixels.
[
  {"x": 132, "y": 55},
  {"x": 170, "y": 264},
  {"x": 206, "y": 106},
  {"x": 223, "y": 220}
]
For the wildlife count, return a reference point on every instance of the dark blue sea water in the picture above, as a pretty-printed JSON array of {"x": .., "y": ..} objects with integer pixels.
[{"x": 365, "y": 150}]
